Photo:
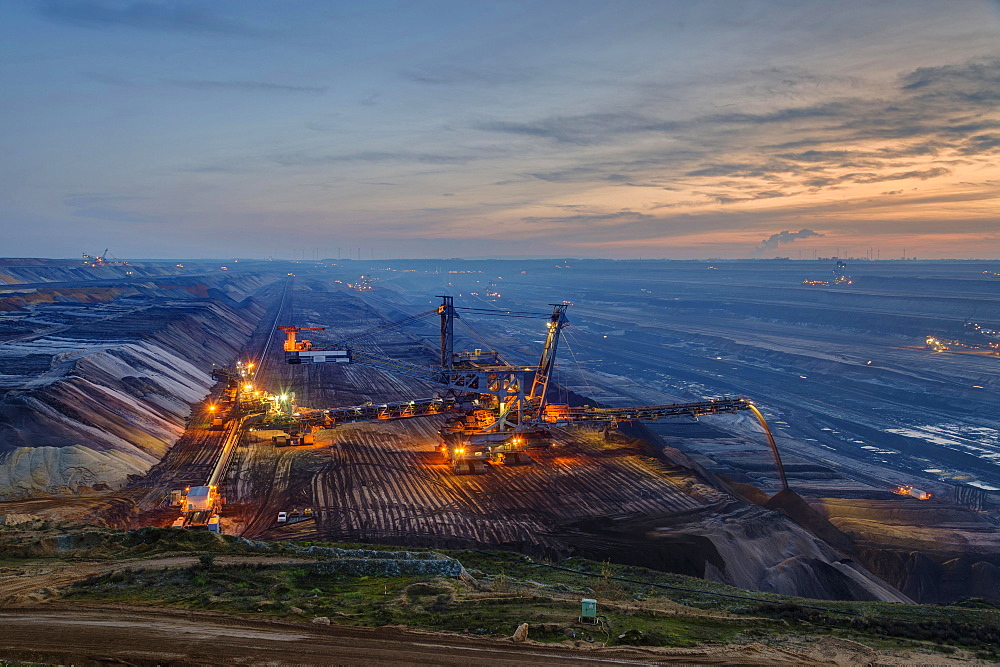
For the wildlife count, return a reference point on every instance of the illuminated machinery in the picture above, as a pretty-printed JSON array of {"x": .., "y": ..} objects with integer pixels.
[
  {"x": 935, "y": 344},
  {"x": 200, "y": 506},
  {"x": 94, "y": 261},
  {"x": 498, "y": 410},
  {"x": 239, "y": 395},
  {"x": 908, "y": 490},
  {"x": 497, "y": 404},
  {"x": 302, "y": 351},
  {"x": 840, "y": 276}
]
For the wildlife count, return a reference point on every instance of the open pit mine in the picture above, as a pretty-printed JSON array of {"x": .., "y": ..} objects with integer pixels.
[{"x": 665, "y": 418}]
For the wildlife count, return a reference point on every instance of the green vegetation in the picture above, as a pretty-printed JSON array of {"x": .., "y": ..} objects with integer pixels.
[
  {"x": 500, "y": 604},
  {"x": 639, "y": 607},
  {"x": 277, "y": 590},
  {"x": 41, "y": 539}
]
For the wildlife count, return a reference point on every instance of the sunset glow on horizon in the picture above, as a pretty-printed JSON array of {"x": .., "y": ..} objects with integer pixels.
[{"x": 590, "y": 129}]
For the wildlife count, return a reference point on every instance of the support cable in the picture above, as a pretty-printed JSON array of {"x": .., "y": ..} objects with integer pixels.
[
  {"x": 383, "y": 328},
  {"x": 579, "y": 367},
  {"x": 481, "y": 339}
]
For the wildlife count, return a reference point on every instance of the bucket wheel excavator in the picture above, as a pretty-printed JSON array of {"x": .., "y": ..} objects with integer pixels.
[{"x": 497, "y": 411}]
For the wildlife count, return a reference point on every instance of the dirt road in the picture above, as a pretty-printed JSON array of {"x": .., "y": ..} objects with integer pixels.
[{"x": 141, "y": 636}]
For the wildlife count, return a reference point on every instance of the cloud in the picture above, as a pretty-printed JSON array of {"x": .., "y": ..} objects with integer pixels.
[
  {"x": 92, "y": 199},
  {"x": 151, "y": 16},
  {"x": 115, "y": 215},
  {"x": 747, "y": 169},
  {"x": 247, "y": 86},
  {"x": 774, "y": 240},
  {"x": 766, "y": 194},
  {"x": 923, "y": 128},
  {"x": 577, "y": 174},
  {"x": 976, "y": 82},
  {"x": 791, "y": 114},
  {"x": 602, "y": 127},
  {"x": 871, "y": 177},
  {"x": 930, "y": 147},
  {"x": 450, "y": 76},
  {"x": 590, "y": 220},
  {"x": 583, "y": 129},
  {"x": 374, "y": 157},
  {"x": 922, "y": 175},
  {"x": 981, "y": 144}
]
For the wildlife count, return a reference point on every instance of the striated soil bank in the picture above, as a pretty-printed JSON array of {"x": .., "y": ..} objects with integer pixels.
[
  {"x": 933, "y": 552},
  {"x": 98, "y": 388}
]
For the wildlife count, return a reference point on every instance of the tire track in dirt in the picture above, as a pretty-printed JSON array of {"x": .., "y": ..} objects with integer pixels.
[{"x": 381, "y": 486}]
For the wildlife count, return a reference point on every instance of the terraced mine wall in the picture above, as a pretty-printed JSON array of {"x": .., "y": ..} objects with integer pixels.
[
  {"x": 18, "y": 271},
  {"x": 97, "y": 388}
]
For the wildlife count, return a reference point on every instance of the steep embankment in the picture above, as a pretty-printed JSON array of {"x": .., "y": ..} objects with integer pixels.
[
  {"x": 784, "y": 547},
  {"x": 102, "y": 387},
  {"x": 935, "y": 553},
  {"x": 766, "y": 551},
  {"x": 736, "y": 544},
  {"x": 777, "y": 544}
]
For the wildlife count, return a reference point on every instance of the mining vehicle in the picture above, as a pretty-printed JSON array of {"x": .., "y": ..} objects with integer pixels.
[
  {"x": 468, "y": 443},
  {"x": 305, "y": 435},
  {"x": 301, "y": 351},
  {"x": 504, "y": 447},
  {"x": 461, "y": 454},
  {"x": 200, "y": 498},
  {"x": 200, "y": 504},
  {"x": 908, "y": 490},
  {"x": 296, "y": 437},
  {"x": 472, "y": 449},
  {"x": 513, "y": 447}
]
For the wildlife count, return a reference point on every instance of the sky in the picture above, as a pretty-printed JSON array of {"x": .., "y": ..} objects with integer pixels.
[{"x": 676, "y": 129}]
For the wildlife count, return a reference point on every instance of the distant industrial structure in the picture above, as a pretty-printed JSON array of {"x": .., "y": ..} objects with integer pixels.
[
  {"x": 840, "y": 277},
  {"x": 95, "y": 261}
]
